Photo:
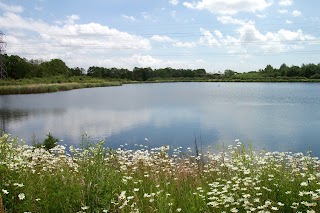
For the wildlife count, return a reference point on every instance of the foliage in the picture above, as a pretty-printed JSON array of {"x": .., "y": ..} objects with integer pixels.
[
  {"x": 47, "y": 88},
  {"x": 48, "y": 143},
  {"x": 57, "y": 70},
  {"x": 93, "y": 178}
]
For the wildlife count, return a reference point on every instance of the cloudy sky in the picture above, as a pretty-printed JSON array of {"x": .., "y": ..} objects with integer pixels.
[{"x": 242, "y": 35}]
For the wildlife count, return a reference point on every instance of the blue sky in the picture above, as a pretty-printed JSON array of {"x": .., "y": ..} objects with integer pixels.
[{"x": 242, "y": 35}]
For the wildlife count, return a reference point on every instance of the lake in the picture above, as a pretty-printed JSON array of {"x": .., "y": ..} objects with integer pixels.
[{"x": 272, "y": 116}]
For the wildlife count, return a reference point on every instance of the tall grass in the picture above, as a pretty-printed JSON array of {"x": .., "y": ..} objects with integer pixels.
[
  {"x": 47, "y": 88},
  {"x": 93, "y": 178}
]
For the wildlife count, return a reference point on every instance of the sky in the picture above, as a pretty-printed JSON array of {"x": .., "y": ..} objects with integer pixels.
[{"x": 242, "y": 35}]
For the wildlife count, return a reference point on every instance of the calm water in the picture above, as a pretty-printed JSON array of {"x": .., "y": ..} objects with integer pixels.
[{"x": 274, "y": 116}]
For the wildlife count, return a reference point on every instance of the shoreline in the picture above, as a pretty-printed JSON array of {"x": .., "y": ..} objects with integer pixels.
[
  {"x": 36, "y": 88},
  {"x": 50, "y": 88}
]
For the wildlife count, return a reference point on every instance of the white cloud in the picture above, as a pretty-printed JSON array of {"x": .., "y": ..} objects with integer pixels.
[
  {"x": 185, "y": 44},
  {"x": 174, "y": 2},
  {"x": 36, "y": 39},
  {"x": 283, "y": 11},
  {"x": 249, "y": 39},
  {"x": 144, "y": 60},
  {"x": 229, "y": 7},
  {"x": 130, "y": 18},
  {"x": 139, "y": 60},
  {"x": 218, "y": 33},
  {"x": 159, "y": 38},
  {"x": 71, "y": 19},
  {"x": 296, "y": 13},
  {"x": 262, "y": 16},
  {"x": 11, "y": 8},
  {"x": 208, "y": 38},
  {"x": 285, "y": 2},
  {"x": 248, "y": 34},
  {"x": 148, "y": 16},
  {"x": 230, "y": 20},
  {"x": 288, "y": 22}
]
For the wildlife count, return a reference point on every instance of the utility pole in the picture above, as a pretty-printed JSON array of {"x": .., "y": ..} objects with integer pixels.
[{"x": 3, "y": 68}]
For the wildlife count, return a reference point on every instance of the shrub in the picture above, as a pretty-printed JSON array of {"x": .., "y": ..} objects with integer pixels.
[{"x": 49, "y": 143}]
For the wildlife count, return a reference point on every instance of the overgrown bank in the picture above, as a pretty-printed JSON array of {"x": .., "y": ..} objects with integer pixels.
[
  {"x": 93, "y": 178},
  {"x": 32, "y": 86},
  {"x": 48, "y": 88}
]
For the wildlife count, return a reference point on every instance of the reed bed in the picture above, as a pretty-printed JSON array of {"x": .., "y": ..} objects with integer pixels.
[
  {"x": 48, "y": 88},
  {"x": 92, "y": 178}
]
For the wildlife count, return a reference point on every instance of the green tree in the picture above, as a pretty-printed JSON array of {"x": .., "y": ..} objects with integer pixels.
[
  {"x": 283, "y": 70},
  {"x": 95, "y": 72},
  {"x": 54, "y": 67},
  {"x": 17, "y": 67},
  {"x": 48, "y": 143},
  {"x": 229, "y": 73},
  {"x": 76, "y": 71},
  {"x": 142, "y": 74},
  {"x": 293, "y": 71}
]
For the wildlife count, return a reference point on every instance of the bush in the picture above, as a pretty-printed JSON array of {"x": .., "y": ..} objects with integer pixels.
[{"x": 49, "y": 143}]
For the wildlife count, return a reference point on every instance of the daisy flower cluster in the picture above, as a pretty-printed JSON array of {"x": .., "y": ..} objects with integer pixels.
[{"x": 94, "y": 178}]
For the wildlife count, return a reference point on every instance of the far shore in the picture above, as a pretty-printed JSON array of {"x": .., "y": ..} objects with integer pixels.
[{"x": 16, "y": 87}]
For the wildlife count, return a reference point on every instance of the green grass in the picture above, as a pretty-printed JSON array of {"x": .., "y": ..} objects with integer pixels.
[
  {"x": 92, "y": 178},
  {"x": 48, "y": 88}
]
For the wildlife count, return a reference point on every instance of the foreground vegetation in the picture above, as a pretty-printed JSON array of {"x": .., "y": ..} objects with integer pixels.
[{"x": 96, "y": 179}]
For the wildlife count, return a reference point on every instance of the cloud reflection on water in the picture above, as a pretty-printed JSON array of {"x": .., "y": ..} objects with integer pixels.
[{"x": 272, "y": 116}]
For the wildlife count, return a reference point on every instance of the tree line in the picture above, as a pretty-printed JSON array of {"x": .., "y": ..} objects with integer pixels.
[{"x": 19, "y": 68}]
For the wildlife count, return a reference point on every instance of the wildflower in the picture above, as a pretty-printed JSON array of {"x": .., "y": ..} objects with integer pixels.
[
  {"x": 213, "y": 204},
  {"x": 122, "y": 196},
  {"x": 146, "y": 195},
  {"x": 268, "y": 203},
  {"x": 304, "y": 184},
  {"x": 274, "y": 208},
  {"x": 85, "y": 207},
  {"x": 280, "y": 204},
  {"x": 136, "y": 189},
  {"x": 178, "y": 209},
  {"x": 146, "y": 139},
  {"x": 18, "y": 184},
  {"x": 21, "y": 196},
  {"x": 5, "y": 191},
  {"x": 308, "y": 204},
  {"x": 234, "y": 210}
]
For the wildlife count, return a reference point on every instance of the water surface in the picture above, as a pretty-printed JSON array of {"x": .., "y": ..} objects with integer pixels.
[{"x": 274, "y": 116}]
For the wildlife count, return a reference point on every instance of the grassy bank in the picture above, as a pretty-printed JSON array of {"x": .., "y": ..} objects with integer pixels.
[
  {"x": 258, "y": 80},
  {"x": 47, "y": 88},
  {"x": 60, "y": 83},
  {"x": 96, "y": 179}
]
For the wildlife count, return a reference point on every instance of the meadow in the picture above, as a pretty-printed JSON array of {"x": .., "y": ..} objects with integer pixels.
[{"x": 92, "y": 178}]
